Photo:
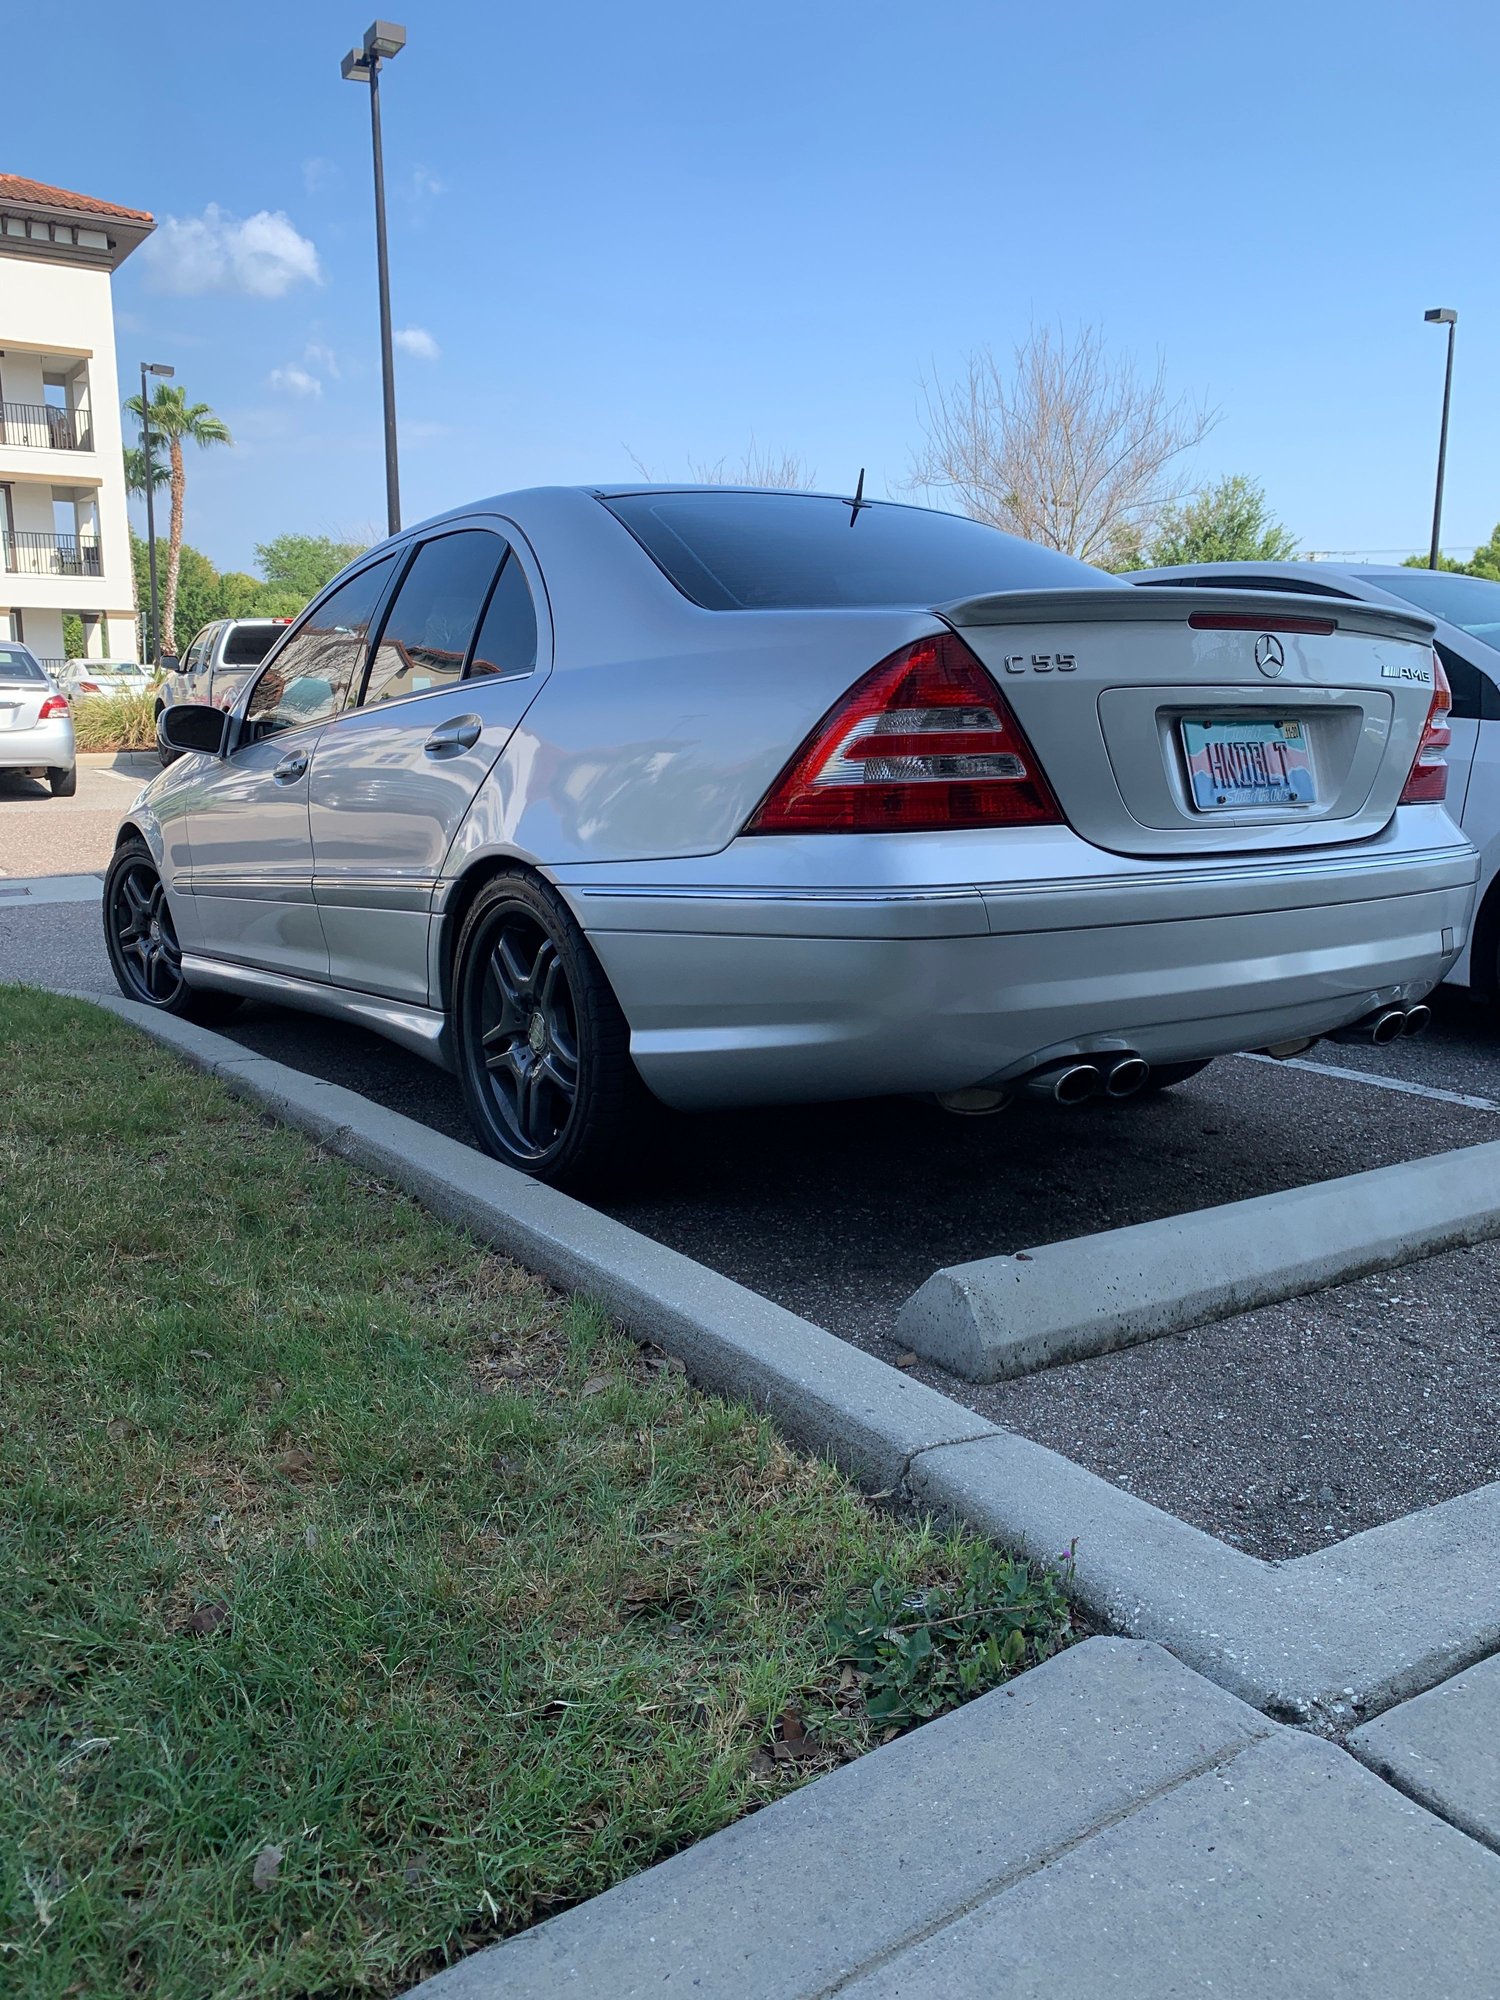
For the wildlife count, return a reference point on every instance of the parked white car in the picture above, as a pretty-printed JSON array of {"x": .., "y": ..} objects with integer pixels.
[
  {"x": 36, "y": 724},
  {"x": 1466, "y": 611},
  {"x": 84, "y": 678}
]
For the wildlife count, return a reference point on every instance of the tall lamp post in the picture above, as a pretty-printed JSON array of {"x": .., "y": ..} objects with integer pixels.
[
  {"x": 383, "y": 39},
  {"x": 151, "y": 368},
  {"x": 1442, "y": 316}
]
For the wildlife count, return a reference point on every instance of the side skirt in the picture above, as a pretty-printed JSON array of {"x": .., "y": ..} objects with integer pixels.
[{"x": 420, "y": 1029}]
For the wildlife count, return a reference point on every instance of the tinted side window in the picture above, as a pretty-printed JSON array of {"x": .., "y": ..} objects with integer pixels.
[
  {"x": 311, "y": 676},
  {"x": 429, "y": 627},
  {"x": 507, "y": 636},
  {"x": 192, "y": 659},
  {"x": 1468, "y": 685},
  {"x": 248, "y": 645}
]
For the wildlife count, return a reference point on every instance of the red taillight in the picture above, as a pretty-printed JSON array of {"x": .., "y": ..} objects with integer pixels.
[
  {"x": 924, "y": 742},
  {"x": 55, "y": 704},
  {"x": 1428, "y": 782}
]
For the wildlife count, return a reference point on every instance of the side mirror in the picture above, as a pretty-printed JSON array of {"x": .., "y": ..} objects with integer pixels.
[
  {"x": 169, "y": 664},
  {"x": 193, "y": 725}
]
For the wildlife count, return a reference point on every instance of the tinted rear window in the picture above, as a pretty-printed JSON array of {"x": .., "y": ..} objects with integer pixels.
[
  {"x": 248, "y": 645},
  {"x": 16, "y": 664},
  {"x": 733, "y": 551},
  {"x": 1472, "y": 603}
]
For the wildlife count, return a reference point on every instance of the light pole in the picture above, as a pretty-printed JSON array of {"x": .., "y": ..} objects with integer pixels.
[
  {"x": 151, "y": 368},
  {"x": 383, "y": 39},
  {"x": 1442, "y": 316}
]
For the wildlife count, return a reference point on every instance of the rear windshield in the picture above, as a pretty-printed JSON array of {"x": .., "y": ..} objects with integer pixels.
[
  {"x": 16, "y": 664},
  {"x": 1469, "y": 602},
  {"x": 248, "y": 645},
  {"x": 731, "y": 551}
]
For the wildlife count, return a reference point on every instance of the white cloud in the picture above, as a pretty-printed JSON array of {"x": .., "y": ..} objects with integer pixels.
[
  {"x": 416, "y": 340},
  {"x": 295, "y": 381},
  {"x": 261, "y": 257},
  {"x": 322, "y": 358},
  {"x": 425, "y": 181}
]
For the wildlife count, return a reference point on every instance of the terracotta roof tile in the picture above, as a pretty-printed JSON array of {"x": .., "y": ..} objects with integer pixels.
[{"x": 13, "y": 187}]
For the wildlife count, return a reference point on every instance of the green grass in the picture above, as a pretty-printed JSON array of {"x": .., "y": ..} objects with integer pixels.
[
  {"x": 325, "y": 1532},
  {"x": 115, "y": 721}
]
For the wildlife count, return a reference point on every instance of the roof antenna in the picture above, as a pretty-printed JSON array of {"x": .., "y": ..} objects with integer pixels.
[{"x": 859, "y": 499}]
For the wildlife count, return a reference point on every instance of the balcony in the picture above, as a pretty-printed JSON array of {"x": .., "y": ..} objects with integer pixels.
[
  {"x": 28, "y": 554},
  {"x": 46, "y": 427}
]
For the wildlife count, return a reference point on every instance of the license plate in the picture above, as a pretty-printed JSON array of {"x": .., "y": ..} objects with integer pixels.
[{"x": 1234, "y": 762}]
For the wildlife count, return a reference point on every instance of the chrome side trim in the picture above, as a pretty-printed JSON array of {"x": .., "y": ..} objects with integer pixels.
[
  {"x": 375, "y": 892},
  {"x": 419, "y": 1029}
]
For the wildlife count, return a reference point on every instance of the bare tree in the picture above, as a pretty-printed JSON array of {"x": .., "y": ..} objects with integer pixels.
[
  {"x": 756, "y": 468},
  {"x": 1067, "y": 446}
]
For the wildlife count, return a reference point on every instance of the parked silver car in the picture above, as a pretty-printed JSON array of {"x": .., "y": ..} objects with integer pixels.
[
  {"x": 36, "y": 724},
  {"x": 741, "y": 797}
]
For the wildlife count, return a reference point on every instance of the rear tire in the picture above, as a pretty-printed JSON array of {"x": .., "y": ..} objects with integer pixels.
[
  {"x": 1165, "y": 1076},
  {"x": 64, "y": 783},
  {"x": 543, "y": 1050},
  {"x": 141, "y": 940}
]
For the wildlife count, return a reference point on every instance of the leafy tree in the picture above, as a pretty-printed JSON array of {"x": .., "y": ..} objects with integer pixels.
[
  {"x": 1226, "y": 522},
  {"x": 1484, "y": 562},
  {"x": 302, "y": 564},
  {"x": 75, "y": 643},
  {"x": 135, "y": 469},
  {"x": 178, "y": 421}
]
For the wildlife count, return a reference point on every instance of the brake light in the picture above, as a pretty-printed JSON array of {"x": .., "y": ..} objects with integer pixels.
[
  {"x": 1428, "y": 782},
  {"x": 1236, "y": 621},
  {"x": 55, "y": 704},
  {"x": 924, "y": 742}
]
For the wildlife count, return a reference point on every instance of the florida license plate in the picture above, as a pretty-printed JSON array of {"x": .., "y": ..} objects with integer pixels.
[{"x": 1235, "y": 762}]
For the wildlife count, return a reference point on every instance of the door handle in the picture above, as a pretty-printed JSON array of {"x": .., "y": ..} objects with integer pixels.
[
  {"x": 462, "y": 733},
  {"x": 292, "y": 767}
]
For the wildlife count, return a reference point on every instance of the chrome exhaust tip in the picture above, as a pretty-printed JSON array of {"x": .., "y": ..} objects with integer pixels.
[
  {"x": 1387, "y": 1025},
  {"x": 1065, "y": 1083},
  {"x": 974, "y": 1103},
  {"x": 1126, "y": 1077},
  {"x": 1416, "y": 1019}
]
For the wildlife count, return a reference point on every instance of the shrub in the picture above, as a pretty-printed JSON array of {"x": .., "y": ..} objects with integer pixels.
[{"x": 115, "y": 721}]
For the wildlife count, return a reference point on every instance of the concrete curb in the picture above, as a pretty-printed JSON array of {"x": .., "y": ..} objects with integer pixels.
[
  {"x": 1004, "y": 1316},
  {"x": 1443, "y": 1750},
  {"x": 1322, "y": 1640}
]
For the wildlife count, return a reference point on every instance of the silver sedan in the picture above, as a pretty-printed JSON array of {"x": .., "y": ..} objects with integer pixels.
[
  {"x": 36, "y": 723},
  {"x": 722, "y": 796}
]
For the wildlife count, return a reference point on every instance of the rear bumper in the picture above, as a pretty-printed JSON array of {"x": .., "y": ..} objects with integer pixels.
[
  {"x": 47, "y": 747},
  {"x": 736, "y": 1000}
]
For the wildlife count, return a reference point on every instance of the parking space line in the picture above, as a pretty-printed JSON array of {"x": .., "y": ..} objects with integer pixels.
[{"x": 1378, "y": 1082}]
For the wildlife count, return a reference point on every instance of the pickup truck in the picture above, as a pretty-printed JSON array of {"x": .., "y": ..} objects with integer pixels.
[{"x": 216, "y": 665}]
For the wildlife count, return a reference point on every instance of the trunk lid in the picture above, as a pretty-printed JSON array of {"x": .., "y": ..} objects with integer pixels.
[
  {"x": 21, "y": 701},
  {"x": 1175, "y": 721}
]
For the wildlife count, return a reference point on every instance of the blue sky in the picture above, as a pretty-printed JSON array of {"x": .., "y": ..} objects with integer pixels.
[{"x": 669, "y": 228}]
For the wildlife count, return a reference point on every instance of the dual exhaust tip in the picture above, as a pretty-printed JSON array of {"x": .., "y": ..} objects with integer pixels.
[
  {"x": 1386, "y": 1025},
  {"x": 1076, "y": 1082}
]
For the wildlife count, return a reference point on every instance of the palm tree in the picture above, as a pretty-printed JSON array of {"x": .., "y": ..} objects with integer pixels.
[{"x": 174, "y": 418}]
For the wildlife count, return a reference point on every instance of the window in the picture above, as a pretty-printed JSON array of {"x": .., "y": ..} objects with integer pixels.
[
  {"x": 1472, "y": 603},
  {"x": 732, "y": 551},
  {"x": 17, "y": 664},
  {"x": 310, "y": 678},
  {"x": 192, "y": 659},
  {"x": 248, "y": 645},
  {"x": 507, "y": 634},
  {"x": 429, "y": 627}
]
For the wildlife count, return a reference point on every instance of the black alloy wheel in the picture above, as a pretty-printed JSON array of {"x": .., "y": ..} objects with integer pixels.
[
  {"x": 141, "y": 939},
  {"x": 543, "y": 1049}
]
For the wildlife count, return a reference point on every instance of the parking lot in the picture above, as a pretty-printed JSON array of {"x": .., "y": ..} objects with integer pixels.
[{"x": 1280, "y": 1431}]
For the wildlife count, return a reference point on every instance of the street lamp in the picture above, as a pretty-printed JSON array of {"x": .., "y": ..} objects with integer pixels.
[
  {"x": 383, "y": 39},
  {"x": 151, "y": 368},
  {"x": 1441, "y": 316}
]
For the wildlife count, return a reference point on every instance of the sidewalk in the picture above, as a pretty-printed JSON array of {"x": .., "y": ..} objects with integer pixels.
[{"x": 1109, "y": 1824}]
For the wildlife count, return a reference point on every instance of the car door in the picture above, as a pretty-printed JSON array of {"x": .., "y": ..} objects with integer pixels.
[
  {"x": 248, "y": 820},
  {"x": 454, "y": 669}
]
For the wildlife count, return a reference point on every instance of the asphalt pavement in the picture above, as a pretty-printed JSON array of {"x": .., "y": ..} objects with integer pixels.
[{"x": 1280, "y": 1431}]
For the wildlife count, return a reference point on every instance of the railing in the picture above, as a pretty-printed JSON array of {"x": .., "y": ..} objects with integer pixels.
[
  {"x": 45, "y": 427},
  {"x": 28, "y": 554},
  {"x": 50, "y": 666}
]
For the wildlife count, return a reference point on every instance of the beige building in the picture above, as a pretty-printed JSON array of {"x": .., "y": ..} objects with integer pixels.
[{"x": 63, "y": 526}]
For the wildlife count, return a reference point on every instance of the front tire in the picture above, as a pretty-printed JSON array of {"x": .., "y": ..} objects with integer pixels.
[
  {"x": 64, "y": 783},
  {"x": 542, "y": 1048},
  {"x": 141, "y": 940},
  {"x": 163, "y": 754}
]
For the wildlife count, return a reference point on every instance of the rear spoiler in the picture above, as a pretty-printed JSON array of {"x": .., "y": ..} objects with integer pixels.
[{"x": 1174, "y": 604}]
